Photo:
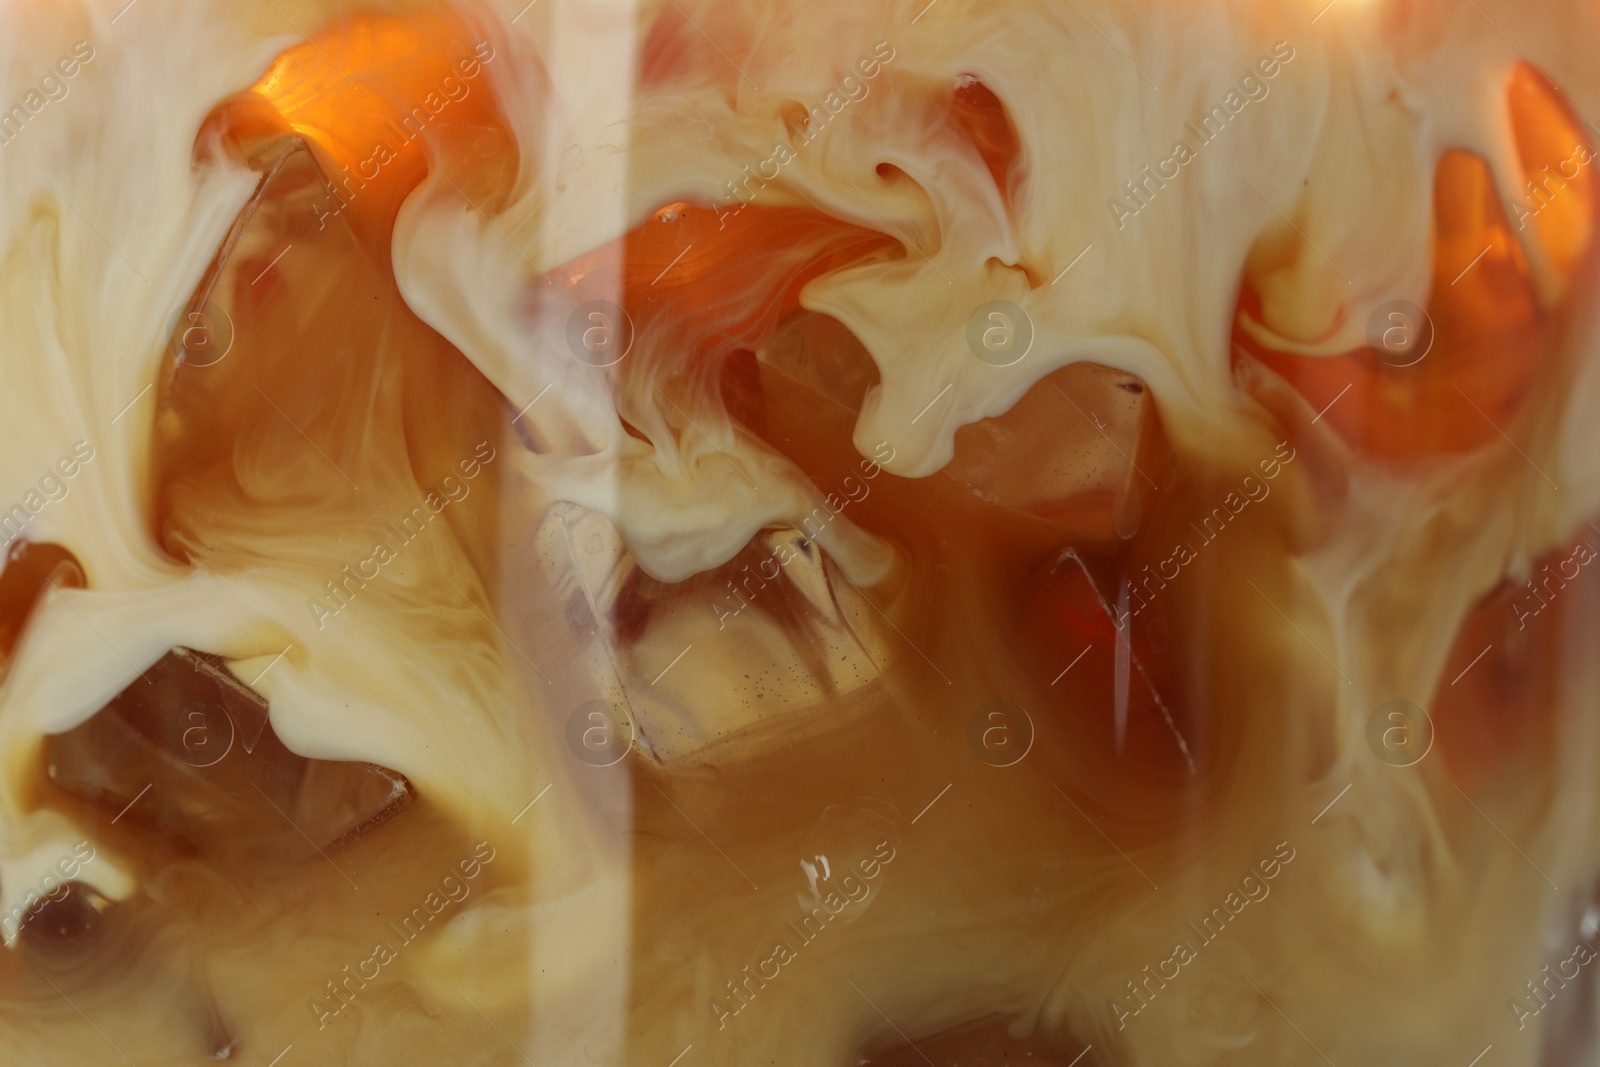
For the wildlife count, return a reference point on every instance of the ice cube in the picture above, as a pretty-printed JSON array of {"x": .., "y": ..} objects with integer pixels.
[
  {"x": 1083, "y": 448},
  {"x": 1124, "y": 736},
  {"x": 774, "y": 632},
  {"x": 821, "y": 353},
  {"x": 338, "y": 800},
  {"x": 187, "y": 752}
]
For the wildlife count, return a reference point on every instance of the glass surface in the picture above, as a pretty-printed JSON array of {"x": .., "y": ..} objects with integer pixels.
[{"x": 716, "y": 533}]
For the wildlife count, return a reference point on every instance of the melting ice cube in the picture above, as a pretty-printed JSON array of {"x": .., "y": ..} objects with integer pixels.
[
  {"x": 773, "y": 632},
  {"x": 1082, "y": 448},
  {"x": 186, "y": 751}
]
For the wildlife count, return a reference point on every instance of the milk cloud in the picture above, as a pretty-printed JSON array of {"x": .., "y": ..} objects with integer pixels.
[
  {"x": 340, "y": 592},
  {"x": 52, "y": 86},
  {"x": 455, "y": 886},
  {"x": 1253, "y": 86},
  {"x": 851, "y": 89},
  {"x": 1254, "y": 887},
  {"x": 52, "y": 487}
]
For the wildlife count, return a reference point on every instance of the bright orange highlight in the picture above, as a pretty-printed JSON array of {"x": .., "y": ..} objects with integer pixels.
[
  {"x": 1491, "y": 332},
  {"x": 1558, "y": 158},
  {"x": 379, "y": 99}
]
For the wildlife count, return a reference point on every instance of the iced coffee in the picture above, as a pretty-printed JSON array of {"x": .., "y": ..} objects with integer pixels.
[{"x": 728, "y": 533}]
